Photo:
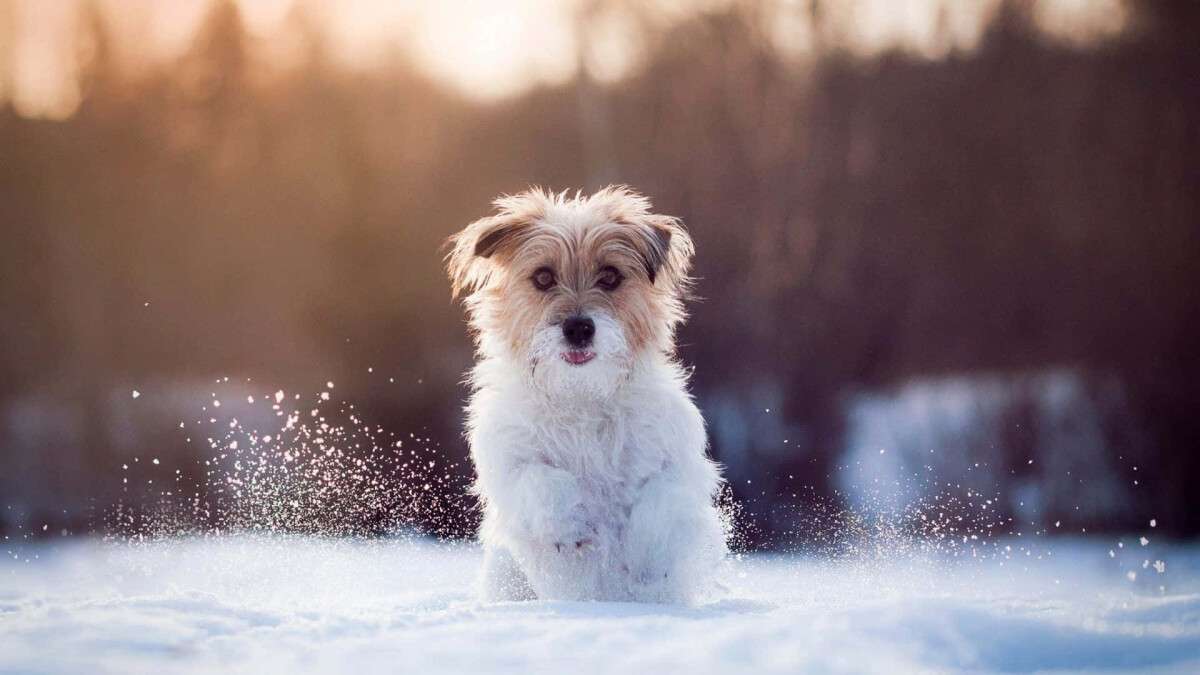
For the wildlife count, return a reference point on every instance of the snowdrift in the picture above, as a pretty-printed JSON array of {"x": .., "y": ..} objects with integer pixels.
[{"x": 293, "y": 604}]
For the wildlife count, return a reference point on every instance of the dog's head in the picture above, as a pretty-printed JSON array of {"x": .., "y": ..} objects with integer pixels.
[{"x": 573, "y": 288}]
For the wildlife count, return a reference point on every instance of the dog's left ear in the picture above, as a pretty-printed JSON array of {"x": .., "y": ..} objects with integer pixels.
[
  {"x": 469, "y": 250},
  {"x": 667, "y": 252}
]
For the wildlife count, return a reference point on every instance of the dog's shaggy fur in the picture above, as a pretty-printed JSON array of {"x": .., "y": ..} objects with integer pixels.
[{"x": 589, "y": 452}]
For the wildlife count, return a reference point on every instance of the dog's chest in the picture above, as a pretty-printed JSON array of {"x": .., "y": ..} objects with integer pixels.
[{"x": 603, "y": 454}]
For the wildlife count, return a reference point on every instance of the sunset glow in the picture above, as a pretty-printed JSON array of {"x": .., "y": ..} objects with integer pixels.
[{"x": 488, "y": 50}]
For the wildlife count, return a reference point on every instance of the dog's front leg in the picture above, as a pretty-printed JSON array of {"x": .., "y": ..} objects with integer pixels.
[
  {"x": 539, "y": 513},
  {"x": 674, "y": 539},
  {"x": 541, "y": 508}
]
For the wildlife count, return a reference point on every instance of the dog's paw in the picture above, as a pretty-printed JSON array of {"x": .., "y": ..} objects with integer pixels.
[
  {"x": 576, "y": 533},
  {"x": 651, "y": 583},
  {"x": 579, "y": 545},
  {"x": 649, "y": 576}
]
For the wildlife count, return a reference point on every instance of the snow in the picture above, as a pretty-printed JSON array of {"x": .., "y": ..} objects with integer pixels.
[{"x": 292, "y": 604}]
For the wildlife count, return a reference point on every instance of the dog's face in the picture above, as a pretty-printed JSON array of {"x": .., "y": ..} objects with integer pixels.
[{"x": 575, "y": 289}]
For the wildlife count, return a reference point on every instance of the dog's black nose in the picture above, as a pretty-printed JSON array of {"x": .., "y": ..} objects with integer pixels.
[{"x": 578, "y": 330}]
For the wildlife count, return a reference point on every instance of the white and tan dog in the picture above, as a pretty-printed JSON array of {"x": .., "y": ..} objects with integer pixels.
[{"x": 590, "y": 455}]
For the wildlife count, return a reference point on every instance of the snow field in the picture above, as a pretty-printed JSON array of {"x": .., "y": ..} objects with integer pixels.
[{"x": 295, "y": 604}]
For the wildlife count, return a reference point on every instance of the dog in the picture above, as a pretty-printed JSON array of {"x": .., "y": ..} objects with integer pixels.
[{"x": 590, "y": 455}]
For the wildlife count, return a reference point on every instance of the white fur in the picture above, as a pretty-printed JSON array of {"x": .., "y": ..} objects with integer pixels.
[
  {"x": 603, "y": 495},
  {"x": 594, "y": 478}
]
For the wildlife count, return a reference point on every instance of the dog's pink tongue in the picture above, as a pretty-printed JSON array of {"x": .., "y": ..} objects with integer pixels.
[{"x": 578, "y": 357}]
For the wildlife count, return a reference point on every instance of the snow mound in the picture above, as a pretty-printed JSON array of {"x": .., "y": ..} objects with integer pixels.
[{"x": 295, "y": 604}]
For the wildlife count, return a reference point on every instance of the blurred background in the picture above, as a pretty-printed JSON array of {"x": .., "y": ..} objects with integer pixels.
[{"x": 941, "y": 243}]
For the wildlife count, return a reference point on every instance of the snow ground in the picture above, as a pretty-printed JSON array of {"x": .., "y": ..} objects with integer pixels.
[{"x": 241, "y": 604}]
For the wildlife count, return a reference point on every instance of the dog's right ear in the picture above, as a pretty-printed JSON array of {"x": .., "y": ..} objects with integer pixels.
[{"x": 467, "y": 263}]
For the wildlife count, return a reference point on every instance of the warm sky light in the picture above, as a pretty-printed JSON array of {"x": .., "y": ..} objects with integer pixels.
[{"x": 488, "y": 49}]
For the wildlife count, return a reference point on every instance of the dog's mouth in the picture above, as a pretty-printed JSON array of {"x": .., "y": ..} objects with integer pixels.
[{"x": 578, "y": 357}]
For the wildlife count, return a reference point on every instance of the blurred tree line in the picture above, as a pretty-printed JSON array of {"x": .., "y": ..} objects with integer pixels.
[{"x": 860, "y": 221}]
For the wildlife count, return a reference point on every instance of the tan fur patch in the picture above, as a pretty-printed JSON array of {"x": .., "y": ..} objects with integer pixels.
[{"x": 494, "y": 259}]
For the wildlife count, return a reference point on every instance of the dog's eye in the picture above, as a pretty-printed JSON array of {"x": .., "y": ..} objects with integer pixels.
[
  {"x": 543, "y": 278},
  {"x": 609, "y": 278}
]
